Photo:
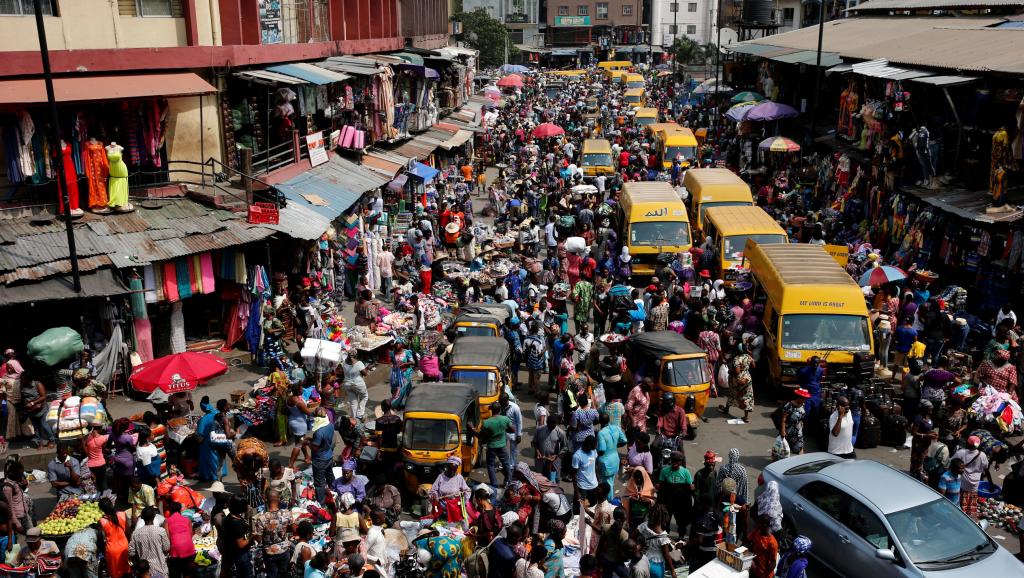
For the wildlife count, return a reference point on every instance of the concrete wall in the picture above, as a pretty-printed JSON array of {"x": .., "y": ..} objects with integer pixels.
[
  {"x": 183, "y": 131},
  {"x": 96, "y": 24},
  {"x": 700, "y": 19}
]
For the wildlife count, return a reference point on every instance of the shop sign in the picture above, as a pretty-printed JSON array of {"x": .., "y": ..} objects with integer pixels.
[
  {"x": 270, "y": 22},
  {"x": 572, "y": 20},
  {"x": 317, "y": 149}
]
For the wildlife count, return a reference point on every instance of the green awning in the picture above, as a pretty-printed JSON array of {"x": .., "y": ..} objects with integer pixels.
[{"x": 410, "y": 58}]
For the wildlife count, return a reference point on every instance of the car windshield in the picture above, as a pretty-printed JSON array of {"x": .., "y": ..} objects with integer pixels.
[
  {"x": 485, "y": 382},
  {"x": 597, "y": 160},
  {"x": 734, "y": 245},
  {"x": 687, "y": 153},
  {"x": 938, "y": 532},
  {"x": 685, "y": 372},
  {"x": 431, "y": 434},
  {"x": 823, "y": 331},
  {"x": 476, "y": 330},
  {"x": 645, "y": 120},
  {"x": 656, "y": 233}
]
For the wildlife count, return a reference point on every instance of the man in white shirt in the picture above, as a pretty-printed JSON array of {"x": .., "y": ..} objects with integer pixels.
[
  {"x": 1005, "y": 312},
  {"x": 840, "y": 431},
  {"x": 599, "y": 182},
  {"x": 551, "y": 235}
]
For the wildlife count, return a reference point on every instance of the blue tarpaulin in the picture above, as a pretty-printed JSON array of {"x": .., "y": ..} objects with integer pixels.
[
  {"x": 331, "y": 188},
  {"x": 425, "y": 172}
]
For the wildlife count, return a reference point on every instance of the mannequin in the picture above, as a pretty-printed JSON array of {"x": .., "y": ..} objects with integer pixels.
[
  {"x": 920, "y": 139},
  {"x": 118, "y": 187},
  {"x": 1000, "y": 162},
  {"x": 71, "y": 178},
  {"x": 97, "y": 169}
]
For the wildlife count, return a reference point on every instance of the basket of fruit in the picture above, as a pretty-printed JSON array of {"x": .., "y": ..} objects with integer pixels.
[{"x": 70, "y": 516}]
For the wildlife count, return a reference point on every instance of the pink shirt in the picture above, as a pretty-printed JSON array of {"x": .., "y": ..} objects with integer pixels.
[
  {"x": 636, "y": 407},
  {"x": 94, "y": 449},
  {"x": 179, "y": 531}
]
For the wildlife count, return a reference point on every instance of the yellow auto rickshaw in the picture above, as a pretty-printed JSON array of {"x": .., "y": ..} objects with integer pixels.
[
  {"x": 677, "y": 366},
  {"x": 479, "y": 319},
  {"x": 437, "y": 421},
  {"x": 483, "y": 362}
]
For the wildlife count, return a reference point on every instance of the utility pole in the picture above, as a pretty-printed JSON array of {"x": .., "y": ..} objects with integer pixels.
[
  {"x": 57, "y": 156},
  {"x": 718, "y": 82},
  {"x": 675, "y": 27},
  {"x": 817, "y": 71}
]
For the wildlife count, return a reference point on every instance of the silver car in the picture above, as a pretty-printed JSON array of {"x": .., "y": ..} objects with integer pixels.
[{"x": 867, "y": 519}]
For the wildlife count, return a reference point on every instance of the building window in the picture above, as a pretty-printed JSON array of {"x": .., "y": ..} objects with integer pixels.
[
  {"x": 673, "y": 7},
  {"x": 787, "y": 16},
  {"x": 602, "y": 10},
  {"x": 150, "y": 8},
  {"x": 563, "y": 10},
  {"x": 583, "y": 10},
  {"x": 627, "y": 9},
  {"x": 26, "y": 7},
  {"x": 691, "y": 28},
  {"x": 673, "y": 29},
  {"x": 691, "y": 7}
]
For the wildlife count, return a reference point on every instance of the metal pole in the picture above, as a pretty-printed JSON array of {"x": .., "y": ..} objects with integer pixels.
[
  {"x": 55, "y": 148},
  {"x": 718, "y": 57},
  {"x": 817, "y": 70}
]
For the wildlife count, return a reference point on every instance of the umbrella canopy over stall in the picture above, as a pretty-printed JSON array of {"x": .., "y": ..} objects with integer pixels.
[
  {"x": 769, "y": 110},
  {"x": 739, "y": 112},
  {"x": 713, "y": 88},
  {"x": 516, "y": 68},
  {"x": 177, "y": 372},
  {"x": 778, "y": 144},
  {"x": 546, "y": 130},
  {"x": 878, "y": 276},
  {"x": 747, "y": 96},
  {"x": 492, "y": 92},
  {"x": 511, "y": 81}
]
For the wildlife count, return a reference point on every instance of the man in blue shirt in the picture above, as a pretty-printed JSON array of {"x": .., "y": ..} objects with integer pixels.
[
  {"x": 809, "y": 378},
  {"x": 584, "y": 465},
  {"x": 902, "y": 339},
  {"x": 322, "y": 446}
]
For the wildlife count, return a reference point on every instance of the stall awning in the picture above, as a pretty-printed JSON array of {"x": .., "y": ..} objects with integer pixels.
[
  {"x": 268, "y": 77},
  {"x": 398, "y": 183},
  {"x": 310, "y": 73},
  {"x": 423, "y": 71},
  {"x": 102, "y": 283},
  {"x": 410, "y": 58},
  {"x": 459, "y": 139},
  {"x": 425, "y": 172},
  {"x": 950, "y": 80},
  {"x": 331, "y": 188},
  {"x": 107, "y": 87}
]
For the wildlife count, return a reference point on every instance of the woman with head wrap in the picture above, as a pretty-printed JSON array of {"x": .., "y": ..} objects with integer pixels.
[
  {"x": 639, "y": 496},
  {"x": 526, "y": 495},
  {"x": 793, "y": 563},
  {"x": 449, "y": 490},
  {"x": 735, "y": 471},
  {"x": 769, "y": 504},
  {"x": 350, "y": 483},
  {"x": 553, "y": 565}
]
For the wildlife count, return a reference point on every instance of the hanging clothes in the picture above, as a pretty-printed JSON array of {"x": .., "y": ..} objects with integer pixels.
[
  {"x": 177, "y": 328},
  {"x": 182, "y": 278},
  {"x": 144, "y": 339},
  {"x": 97, "y": 169},
  {"x": 71, "y": 178},
  {"x": 170, "y": 283},
  {"x": 206, "y": 273},
  {"x": 150, "y": 284},
  {"x": 26, "y": 130},
  {"x": 117, "y": 190}
]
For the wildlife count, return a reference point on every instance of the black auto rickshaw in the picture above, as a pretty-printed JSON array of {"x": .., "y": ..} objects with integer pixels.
[
  {"x": 437, "y": 421},
  {"x": 677, "y": 366},
  {"x": 483, "y": 362},
  {"x": 481, "y": 319}
]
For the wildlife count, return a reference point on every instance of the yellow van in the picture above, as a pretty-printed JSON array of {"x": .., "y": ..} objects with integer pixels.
[
  {"x": 634, "y": 80},
  {"x": 729, "y": 229},
  {"x": 714, "y": 188},
  {"x": 645, "y": 116},
  {"x": 596, "y": 158},
  {"x": 812, "y": 307},
  {"x": 483, "y": 362},
  {"x": 571, "y": 74},
  {"x": 614, "y": 64},
  {"x": 439, "y": 419},
  {"x": 677, "y": 366},
  {"x": 674, "y": 142},
  {"x": 652, "y": 220},
  {"x": 616, "y": 76},
  {"x": 635, "y": 97}
]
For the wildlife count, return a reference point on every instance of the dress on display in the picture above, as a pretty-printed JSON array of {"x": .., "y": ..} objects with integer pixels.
[
  {"x": 71, "y": 178},
  {"x": 97, "y": 169},
  {"x": 117, "y": 190}
]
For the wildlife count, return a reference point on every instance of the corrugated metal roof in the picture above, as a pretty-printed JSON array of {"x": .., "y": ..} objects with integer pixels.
[
  {"x": 965, "y": 43},
  {"x": 873, "y": 5},
  {"x": 299, "y": 221},
  {"x": 377, "y": 163},
  {"x": 969, "y": 204},
  {"x": 268, "y": 77},
  {"x": 310, "y": 73},
  {"x": 417, "y": 148},
  {"x": 55, "y": 268},
  {"x": 103, "y": 283},
  {"x": 352, "y": 65},
  {"x": 339, "y": 182},
  {"x": 945, "y": 80}
]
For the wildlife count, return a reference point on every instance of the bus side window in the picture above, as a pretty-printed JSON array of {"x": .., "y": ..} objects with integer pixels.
[{"x": 773, "y": 323}]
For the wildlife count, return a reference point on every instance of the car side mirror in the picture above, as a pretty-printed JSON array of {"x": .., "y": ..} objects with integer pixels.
[
  {"x": 983, "y": 524},
  {"x": 885, "y": 554}
]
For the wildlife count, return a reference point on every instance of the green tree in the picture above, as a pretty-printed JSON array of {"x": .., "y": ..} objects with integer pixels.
[
  {"x": 687, "y": 51},
  {"x": 486, "y": 34}
]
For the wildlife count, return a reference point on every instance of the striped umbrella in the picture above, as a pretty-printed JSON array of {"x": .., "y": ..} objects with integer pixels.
[
  {"x": 878, "y": 276},
  {"x": 778, "y": 144},
  {"x": 747, "y": 96}
]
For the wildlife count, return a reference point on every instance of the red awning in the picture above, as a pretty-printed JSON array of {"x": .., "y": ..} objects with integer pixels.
[{"x": 118, "y": 87}]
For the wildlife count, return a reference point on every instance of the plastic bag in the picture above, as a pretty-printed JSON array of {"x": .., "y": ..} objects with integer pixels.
[
  {"x": 780, "y": 449},
  {"x": 55, "y": 345}
]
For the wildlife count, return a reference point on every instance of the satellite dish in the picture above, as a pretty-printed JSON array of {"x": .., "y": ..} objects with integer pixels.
[{"x": 729, "y": 37}]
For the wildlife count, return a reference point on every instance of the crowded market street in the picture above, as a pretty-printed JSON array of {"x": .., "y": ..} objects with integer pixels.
[{"x": 429, "y": 314}]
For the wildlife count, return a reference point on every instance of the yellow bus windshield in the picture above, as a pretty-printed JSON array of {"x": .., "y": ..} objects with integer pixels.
[{"x": 818, "y": 331}]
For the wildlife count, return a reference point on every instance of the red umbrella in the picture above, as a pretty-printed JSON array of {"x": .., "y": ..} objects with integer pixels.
[
  {"x": 547, "y": 129},
  {"x": 511, "y": 81},
  {"x": 177, "y": 372}
]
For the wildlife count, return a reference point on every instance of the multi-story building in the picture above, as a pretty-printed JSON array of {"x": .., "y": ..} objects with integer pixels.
[
  {"x": 621, "y": 26},
  {"x": 693, "y": 19},
  {"x": 522, "y": 18}
]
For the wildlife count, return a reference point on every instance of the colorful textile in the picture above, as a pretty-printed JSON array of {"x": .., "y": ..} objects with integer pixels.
[
  {"x": 206, "y": 273},
  {"x": 170, "y": 281},
  {"x": 182, "y": 278}
]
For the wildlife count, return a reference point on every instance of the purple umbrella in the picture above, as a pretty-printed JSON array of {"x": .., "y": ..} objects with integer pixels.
[{"x": 769, "y": 110}]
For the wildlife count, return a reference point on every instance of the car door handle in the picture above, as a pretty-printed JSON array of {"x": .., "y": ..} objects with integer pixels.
[
  {"x": 844, "y": 539},
  {"x": 798, "y": 507}
]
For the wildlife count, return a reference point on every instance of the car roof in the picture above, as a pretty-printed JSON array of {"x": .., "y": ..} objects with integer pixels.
[{"x": 888, "y": 489}]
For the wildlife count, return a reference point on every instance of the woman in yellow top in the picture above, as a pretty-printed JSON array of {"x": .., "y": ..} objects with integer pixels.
[{"x": 346, "y": 516}]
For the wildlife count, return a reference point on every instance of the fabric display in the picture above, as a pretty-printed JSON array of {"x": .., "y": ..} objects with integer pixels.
[{"x": 177, "y": 328}]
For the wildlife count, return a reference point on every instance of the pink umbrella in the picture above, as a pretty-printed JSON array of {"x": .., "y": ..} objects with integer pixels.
[
  {"x": 511, "y": 81},
  {"x": 547, "y": 130}
]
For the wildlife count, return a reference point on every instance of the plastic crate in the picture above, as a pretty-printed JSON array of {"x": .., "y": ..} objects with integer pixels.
[{"x": 264, "y": 214}]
